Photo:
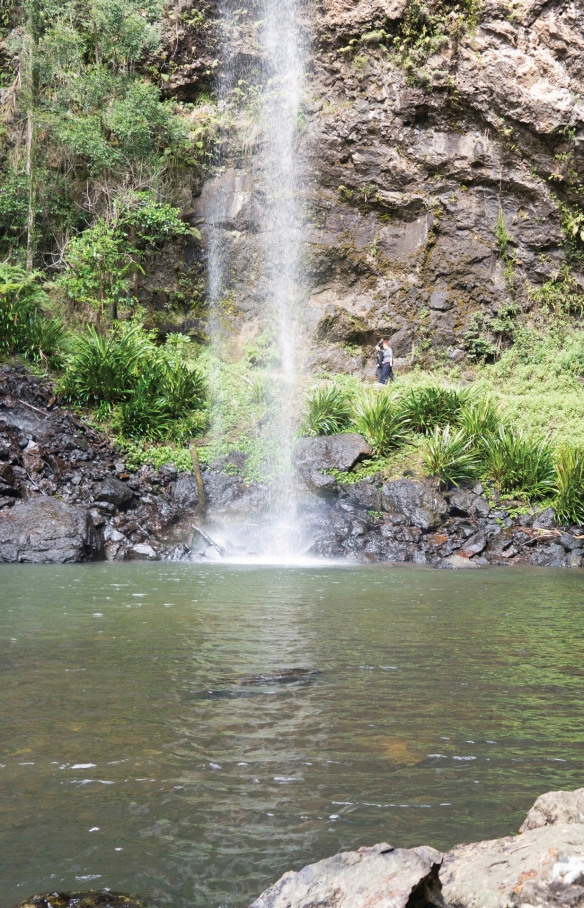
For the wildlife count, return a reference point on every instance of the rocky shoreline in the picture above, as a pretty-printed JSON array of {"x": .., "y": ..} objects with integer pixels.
[
  {"x": 541, "y": 867},
  {"x": 66, "y": 496}
]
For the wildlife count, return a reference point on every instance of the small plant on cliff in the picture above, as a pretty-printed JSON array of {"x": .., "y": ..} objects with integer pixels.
[
  {"x": 379, "y": 419},
  {"x": 569, "y": 500},
  {"x": 520, "y": 463},
  {"x": 327, "y": 411},
  {"x": 425, "y": 408},
  {"x": 451, "y": 457}
]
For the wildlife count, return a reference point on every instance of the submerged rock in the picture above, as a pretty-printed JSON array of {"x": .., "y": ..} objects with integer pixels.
[
  {"x": 100, "y": 899},
  {"x": 381, "y": 876},
  {"x": 47, "y": 531}
]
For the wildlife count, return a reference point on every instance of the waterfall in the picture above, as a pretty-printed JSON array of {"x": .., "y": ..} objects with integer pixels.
[{"x": 273, "y": 77}]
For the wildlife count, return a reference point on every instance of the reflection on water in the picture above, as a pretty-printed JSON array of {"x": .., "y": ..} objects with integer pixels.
[{"x": 152, "y": 742}]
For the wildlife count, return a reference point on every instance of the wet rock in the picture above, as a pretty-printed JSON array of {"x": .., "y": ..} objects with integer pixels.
[
  {"x": 417, "y": 501},
  {"x": 114, "y": 491},
  {"x": 474, "y": 545},
  {"x": 143, "y": 552},
  {"x": 47, "y": 531},
  {"x": 185, "y": 494},
  {"x": 103, "y": 899},
  {"x": 555, "y": 807},
  {"x": 382, "y": 876},
  {"x": 456, "y": 563},
  {"x": 115, "y": 544},
  {"x": 366, "y": 494},
  {"x": 167, "y": 473},
  {"x": 548, "y": 555}
]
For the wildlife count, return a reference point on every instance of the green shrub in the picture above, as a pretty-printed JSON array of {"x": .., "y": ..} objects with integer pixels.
[
  {"x": 569, "y": 500},
  {"x": 520, "y": 463},
  {"x": 24, "y": 327},
  {"x": 146, "y": 411},
  {"x": 450, "y": 456},
  {"x": 106, "y": 368},
  {"x": 380, "y": 420},
  {"x": 327, "y": 411},
  {"x": 480, "y": 417},
  {"x": 426, "y": 408}
]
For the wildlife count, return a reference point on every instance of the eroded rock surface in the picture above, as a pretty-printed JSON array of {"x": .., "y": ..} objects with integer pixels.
[
  {"x": 555, "y": 807},
  {"x": 103, "y": 899},
  {"x": 380, "y": 876},
  {"x": 47, "y": 531}
]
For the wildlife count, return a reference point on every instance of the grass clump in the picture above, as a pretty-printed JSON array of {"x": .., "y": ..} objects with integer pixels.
[
  {"x": 451, "y": 457},
  {"x": 520, "y": 463},
  {"x": 380, "y": 420},
  {"x": 327, "y": 411},
  {"x": 425, "y": 409},
  {"x": 569, "y": 500},
  {"x": 25, "y": 326}
]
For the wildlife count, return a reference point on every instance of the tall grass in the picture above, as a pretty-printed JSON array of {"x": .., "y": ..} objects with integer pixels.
[
  {"x": 24, "y": 325},
  {"x": 520, "y": 463},
  {"x": 378, "y": 418},
  {"x": 451, "y": 457},
  {"x": 569, "y": 500},
  {"x": 327, "y": 411},
  {"x": 426, "y": 408}
]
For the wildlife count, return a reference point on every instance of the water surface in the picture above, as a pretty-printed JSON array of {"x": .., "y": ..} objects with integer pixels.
[{"x": 139, "y": 751}]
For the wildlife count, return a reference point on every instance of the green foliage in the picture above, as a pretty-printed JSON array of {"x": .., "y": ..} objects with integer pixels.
[
  {"x": 561, "y": 294},
  {"x": 569, "y": 500},
  {"x": 327, "y": 411},
  {"x": 502, "y": 237},
  {"x": 380, "y": 420},
  {"x": 24, "y": 326},
  {"x": 520, "y": 463},
  {"x": 485, "y": 336},
  {"x": 450, "y": 456},
  {"x": 429, "y": 26},
  {"x": 480, "y": 417},
  {"x": 426, "y": 408},
  {"x": 106, "y": 368}
]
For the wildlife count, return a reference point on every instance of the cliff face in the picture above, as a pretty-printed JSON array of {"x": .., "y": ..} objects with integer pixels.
[{"x": 439, "y": 148}]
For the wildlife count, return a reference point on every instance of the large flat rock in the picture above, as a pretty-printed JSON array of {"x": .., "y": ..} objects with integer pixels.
[
  {"x": 47, "y": 531},
  {"x": 377, "y": 877},
  {"x": 542, "y": 866}
]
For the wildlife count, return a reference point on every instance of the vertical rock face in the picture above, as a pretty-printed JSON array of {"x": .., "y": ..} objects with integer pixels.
[
  {"x": 47, "y": 531},
  {"x": 410, "y": 158},
  {"x": 380, "y": 876}
]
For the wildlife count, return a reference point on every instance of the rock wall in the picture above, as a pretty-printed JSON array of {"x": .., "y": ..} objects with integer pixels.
[{"x": 407, "y": 168}]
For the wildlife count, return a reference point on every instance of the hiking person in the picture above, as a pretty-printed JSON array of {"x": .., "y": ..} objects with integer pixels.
[
  {"x": 387, "y": 364},
  {"x": 378, "y": 359}
]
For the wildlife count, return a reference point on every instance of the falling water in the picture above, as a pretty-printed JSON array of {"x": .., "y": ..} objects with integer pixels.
[{"x": 276, "y": 74}]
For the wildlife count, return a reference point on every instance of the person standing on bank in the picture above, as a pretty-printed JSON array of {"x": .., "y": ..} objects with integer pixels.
[
  {"x": 378, "y": 359},
  {"x": 387, "y": 364}
]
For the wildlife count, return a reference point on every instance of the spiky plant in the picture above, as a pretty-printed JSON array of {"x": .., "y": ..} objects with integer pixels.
[
  {"x": 569, "y": 500},
  {"x": 479, "y": 418},
  {"x": 451, "y": 457},
  {"x": 24, "y": 325},
  {"x": 327, "y": 411},
  {"x": 106, "y": 367},
  {"x": 520, "y": 463},
  {"x": 378, "y": 418},
  {"x": 426, "y": 408}
]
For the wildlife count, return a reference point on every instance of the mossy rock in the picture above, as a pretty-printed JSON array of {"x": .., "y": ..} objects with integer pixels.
[{"x": 100, "y": 899}]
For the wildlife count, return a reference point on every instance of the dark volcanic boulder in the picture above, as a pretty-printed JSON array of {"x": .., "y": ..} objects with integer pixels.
[
  {"x": 417, "y": 501},
  {"x": 381, "y": 876},
  {"x": 47, "y": 531},
  {"x": 185, "y": 494},
  {"x": 314, "y": 456},
  {"x": 115, "y": 492}
]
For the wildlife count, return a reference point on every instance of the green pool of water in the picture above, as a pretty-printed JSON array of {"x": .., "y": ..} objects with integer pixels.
[{"x": 139, "y": 752}]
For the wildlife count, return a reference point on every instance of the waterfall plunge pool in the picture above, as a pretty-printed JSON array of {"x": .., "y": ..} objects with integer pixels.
[{"x": 152, "y": 744}]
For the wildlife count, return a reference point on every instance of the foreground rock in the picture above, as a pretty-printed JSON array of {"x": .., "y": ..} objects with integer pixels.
[
  {"x": 48, "y": 531},
  {"x": 381, "y": 876},
  {"x": 543, "y": 866}
]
